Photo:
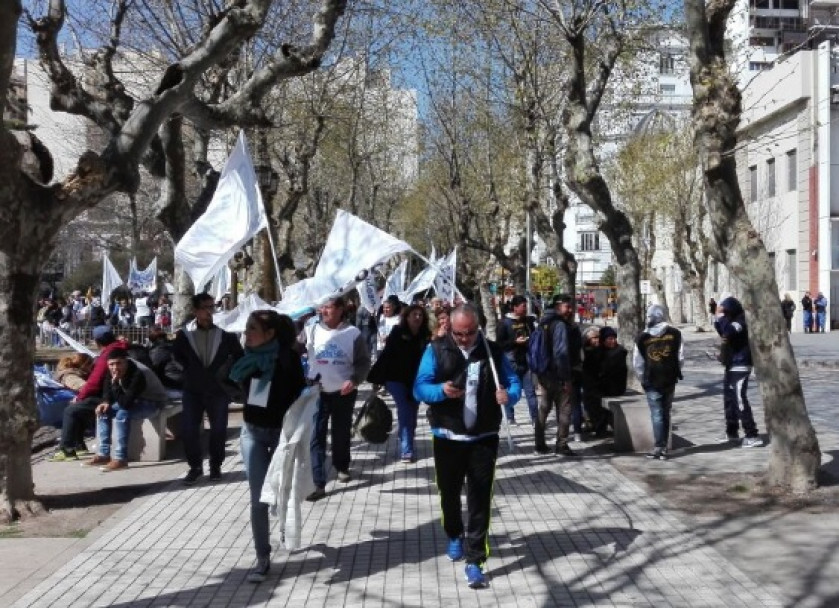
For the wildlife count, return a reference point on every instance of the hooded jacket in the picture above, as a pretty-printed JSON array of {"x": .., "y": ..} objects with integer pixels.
[
  {"x": 561, "y": 348},
  {"x": 511, "y": 328},
  {"x": 658, "y": 356},
  {"x": 735, "y": 353}
]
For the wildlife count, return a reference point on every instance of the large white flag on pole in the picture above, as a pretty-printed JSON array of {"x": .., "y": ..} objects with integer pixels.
[
  {"x": 444, "y": 282},
  {"x": 395, "y": 283},
  {"x": 234, "y": 216},
  {"x": 352, "y": 249},
  {"x": 110, "y": 281},
  {"x": 422, "y": 282},
  {"x": 354, "y": 245}
]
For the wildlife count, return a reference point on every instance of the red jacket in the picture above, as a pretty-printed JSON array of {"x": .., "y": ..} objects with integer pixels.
[{"x": 96, "y": 380}]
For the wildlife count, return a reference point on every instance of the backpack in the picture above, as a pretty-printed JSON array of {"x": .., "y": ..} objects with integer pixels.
[
  {"x": 539, "y": 349},
  {"x": 375, "y": 420}
]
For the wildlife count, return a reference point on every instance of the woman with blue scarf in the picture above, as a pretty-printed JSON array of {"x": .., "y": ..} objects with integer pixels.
[{"x": 271, "y": 376}]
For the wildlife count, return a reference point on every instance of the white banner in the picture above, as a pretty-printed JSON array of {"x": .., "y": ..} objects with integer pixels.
[
  {"x": 421, "y": 283},
  {"x": 368, "y": 294},
  {"x": 444, "y": 282},
  {"x": 395, "y": 283},
  {"x": 142, "y": 280},
  {"x": 110, "y": 281},
  {"x": 353, "y": 246},
  {"x": 233, "y": 217},
  {"x": 221, "y": 283}
]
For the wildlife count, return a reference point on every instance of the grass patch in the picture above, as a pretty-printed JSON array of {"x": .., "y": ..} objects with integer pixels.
[
  {"x": 10, "y": 531},
  {"x": 739, "y": 488},
  {"x": 78, "y": 533}
]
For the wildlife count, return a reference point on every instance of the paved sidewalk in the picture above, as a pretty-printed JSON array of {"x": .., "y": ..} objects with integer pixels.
[{"x": 563, "y": 533}]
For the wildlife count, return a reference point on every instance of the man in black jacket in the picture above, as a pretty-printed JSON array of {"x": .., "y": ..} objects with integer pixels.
[
  {"x": 456, "y": 380},
  {"x": 513, "y": 336},
  {"x": 131, "y": 391},
  {"x": 207, "y": 353}
]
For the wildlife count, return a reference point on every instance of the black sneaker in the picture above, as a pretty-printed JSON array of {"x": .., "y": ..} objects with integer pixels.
[
  {"x": 565, "y": 451},
  {"x": 316, "y": 495},
  {"x": 542, "y": 449},
  {"x": 215, "y": 473},
  {"x": 192, "y": 476},
  {"x": 260, "y": 570}
]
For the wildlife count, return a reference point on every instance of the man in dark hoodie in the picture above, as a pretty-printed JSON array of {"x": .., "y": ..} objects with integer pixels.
[
  {"x": 658, "y": 358},
  {"x": 513, "y": 336},
  {"x": 736, "y": 356},
  {"x": 558, "y": 382}
]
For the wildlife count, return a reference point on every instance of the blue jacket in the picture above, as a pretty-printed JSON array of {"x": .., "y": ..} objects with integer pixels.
[
  {"x": 445, "y": 414},
  {"x": 561, "y": 349},
  {"x": 735, "y": 352}
]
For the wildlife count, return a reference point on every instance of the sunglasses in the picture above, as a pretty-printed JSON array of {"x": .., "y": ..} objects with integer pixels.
[{"x": 465, "y": 334}]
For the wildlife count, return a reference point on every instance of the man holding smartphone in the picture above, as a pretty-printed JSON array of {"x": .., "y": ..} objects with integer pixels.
[{"x": 459, "y": 378}]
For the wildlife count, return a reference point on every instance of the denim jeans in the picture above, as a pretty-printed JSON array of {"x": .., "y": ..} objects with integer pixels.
[
  {"x": 339, "y": 408},
  {"x": 660, "y": 402},
  {"x": 528, "y": 387},
  {"x": 122, "y": 419},
  {"x": 808, "y": 321},
  {"x": 820, "y": 318},
  {"x": 406, "y": 414},
  {"x": 257, "y": 444}
]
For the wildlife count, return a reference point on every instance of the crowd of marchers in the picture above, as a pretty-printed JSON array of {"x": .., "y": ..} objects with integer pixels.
[{"x": 420, "y": 353}]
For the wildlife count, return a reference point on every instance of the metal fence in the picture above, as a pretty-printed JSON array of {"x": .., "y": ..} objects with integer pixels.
[{"x": 48, "y": 338}]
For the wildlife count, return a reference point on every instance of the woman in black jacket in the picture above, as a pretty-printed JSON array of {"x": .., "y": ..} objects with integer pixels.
[
  {"x": 397, "y": 367},
  {"x": 271, "y": 376}
]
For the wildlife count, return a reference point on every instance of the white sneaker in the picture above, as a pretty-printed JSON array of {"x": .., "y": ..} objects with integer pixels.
[
  {"x": 727, "y": 439},
  {"x": 578, "y": 437},
  {"x": 752, "y": 442}
]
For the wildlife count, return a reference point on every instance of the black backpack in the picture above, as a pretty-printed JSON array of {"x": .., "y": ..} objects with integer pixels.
[{"x": 374, "y": 421}]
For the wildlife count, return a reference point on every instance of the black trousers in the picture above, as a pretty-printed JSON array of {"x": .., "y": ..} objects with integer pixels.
[
  {"x": 473, "y": 461},
  {"x": 78, "y": 417}
]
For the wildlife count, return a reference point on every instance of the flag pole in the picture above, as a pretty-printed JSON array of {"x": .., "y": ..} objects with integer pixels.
[{"x": 274, "y": 257}]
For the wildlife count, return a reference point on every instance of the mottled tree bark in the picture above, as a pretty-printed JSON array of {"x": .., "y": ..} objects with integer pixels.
[
  {"x": 32, "y": 210},
  {"x": 795, "y": 455}
]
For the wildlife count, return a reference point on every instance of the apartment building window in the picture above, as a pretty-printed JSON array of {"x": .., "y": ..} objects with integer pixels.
[
  {"x": 589, "y": 241},
  {"x": 760, "y": 4},
  {"x": 753, "y": 184},
  {"x": 770, "y": 177},
  {"x": 667, "y": 89},
  {"x": 789, "y": 5},
  {"x": 757, "y": 66},
  {"x": 792, "y": 170},
  {"x": 791, "y": 274},
  {"x": 666, "y": 64}
]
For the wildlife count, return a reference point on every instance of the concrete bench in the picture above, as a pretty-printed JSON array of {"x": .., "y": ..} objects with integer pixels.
[
  {"x": 631, "y": 423},
  {"x": 147, "y": 441}
]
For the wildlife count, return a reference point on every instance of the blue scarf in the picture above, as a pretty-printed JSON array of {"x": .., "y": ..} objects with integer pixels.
[{"x": 256, "y": 360}]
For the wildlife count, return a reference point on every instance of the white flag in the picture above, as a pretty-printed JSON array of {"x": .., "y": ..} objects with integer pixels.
[
  {"x": 354, "y": 246},
  {"x": 234, "y": 216},
  {"x": 142, "y": 280},
  {"x": 368, "y": 294},
  {"x": 421, "y": 283},
  {"x": 395, "y": 283},
  {"x": 221, "y": 283},
  {"x": 110, "y": 281},
  {"x": 444, "y": 282}
]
